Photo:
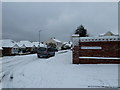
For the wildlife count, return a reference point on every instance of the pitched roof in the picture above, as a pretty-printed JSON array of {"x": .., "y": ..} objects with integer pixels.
[
  {"x": 56, "y": 40},
  {"x": 37, "y": 44},
  {"x": 20, "y": 44},
  {"x": 26, "y": 43},
  {"x": 8, "y": 43},
  {"x": 109, "y": 33}
]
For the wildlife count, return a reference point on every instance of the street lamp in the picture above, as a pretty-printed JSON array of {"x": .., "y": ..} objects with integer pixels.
[{"x": 39, "y": 36}]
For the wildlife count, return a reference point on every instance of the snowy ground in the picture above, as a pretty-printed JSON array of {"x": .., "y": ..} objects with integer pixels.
[{"x": 56, "y": 72}]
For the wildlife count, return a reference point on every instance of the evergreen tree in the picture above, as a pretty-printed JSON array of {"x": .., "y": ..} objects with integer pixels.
[
  {"x": 52, "y": 45},
  {"x": 81, "y": 31}
]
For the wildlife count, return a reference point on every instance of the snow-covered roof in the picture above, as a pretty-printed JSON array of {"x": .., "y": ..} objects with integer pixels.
[
  {"x": 26, "y": 43},
  {"x": 36, "y": 44},
  {"x": 8, "y": 43},
  {"x": 20, "y": 44},
  {"x": 109, "y": 33},
  {"x": 56, "y": 40}
]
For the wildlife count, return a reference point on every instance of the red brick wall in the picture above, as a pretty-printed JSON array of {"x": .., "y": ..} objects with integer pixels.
[
  {"x": 6, "y": 51},
  {"x": 76, "y": 55},
  {"x": 109, "y": 49},
  {"x": 99, "y": 61}
]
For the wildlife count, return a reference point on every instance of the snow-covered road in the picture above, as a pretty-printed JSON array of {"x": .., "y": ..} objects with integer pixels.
[{"x": 56, "y": 72}]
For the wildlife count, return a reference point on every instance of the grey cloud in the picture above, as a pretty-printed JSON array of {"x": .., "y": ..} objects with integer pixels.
[{"x": 24, "y": 20}]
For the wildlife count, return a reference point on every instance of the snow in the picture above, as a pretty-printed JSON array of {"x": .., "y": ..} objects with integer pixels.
[
  {"x": 21, "y": 45},
  {"x": 7, "y": 43},
  {"x": 57, "y": 40},
  {"x": 108, "y": 33},
  {"x": 97, "y": 37},
  {"x": 26, "y": 43},
  {"x": 68, "y": 44},
  {"x": 56, "y": 72},
  {"x": 36, "y": 44}
]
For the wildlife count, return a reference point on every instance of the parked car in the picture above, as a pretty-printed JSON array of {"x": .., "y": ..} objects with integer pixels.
[
  {"x": 43, "y": 52},
  {"x": 66, "y": 46}
]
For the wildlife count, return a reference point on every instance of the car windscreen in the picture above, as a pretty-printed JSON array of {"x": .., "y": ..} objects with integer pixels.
[
  {"x": 51, "y": 49},
  {"x": 42, "y": 49}
]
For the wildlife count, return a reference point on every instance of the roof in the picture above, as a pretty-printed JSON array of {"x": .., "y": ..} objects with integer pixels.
[
  {"x": 19, "y": 44},
  {"x": 37, "y": 44},
  {"x": 26, "y": 43},
  {"x": 109, "y": 33},
  {"x": 56, "y": 40},
  {"x": 8, "y": 43}
]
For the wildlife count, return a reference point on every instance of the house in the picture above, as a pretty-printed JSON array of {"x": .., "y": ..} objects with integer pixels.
[
  {"x": 1, "y": 51},
  {"x": 96, "y": 50},
  {"x": 9, "y": 47},
  {"x": 26, "y": 46},
  {"x": 56, "y": 42},
  {"x": 109, "y": 33},
  {"x": 37, "y": 45},
  {"x": 22, "y": 47}
]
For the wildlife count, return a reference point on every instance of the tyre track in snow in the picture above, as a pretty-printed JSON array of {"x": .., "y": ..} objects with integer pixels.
[
  {"x": 11, "y": 67},
  {"x": 14, "y": 64}
]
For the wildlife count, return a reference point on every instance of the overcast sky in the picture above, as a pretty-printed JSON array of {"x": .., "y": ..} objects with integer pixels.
[{"x": 23, "y": 20}]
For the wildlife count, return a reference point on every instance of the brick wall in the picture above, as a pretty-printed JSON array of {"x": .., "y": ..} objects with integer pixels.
[
  {"x": 109, "y": 49},
  {"x": 7, "y": 51},
  {"x": 76, "y": 55}
]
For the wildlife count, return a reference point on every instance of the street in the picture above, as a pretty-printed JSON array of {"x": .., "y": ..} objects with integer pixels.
[{"x": 28, "y": 71}]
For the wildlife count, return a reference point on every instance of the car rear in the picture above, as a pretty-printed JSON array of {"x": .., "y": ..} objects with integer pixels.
[
  {"x": 51, "y": 52},
  {"x": 42, "y": 52}
]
